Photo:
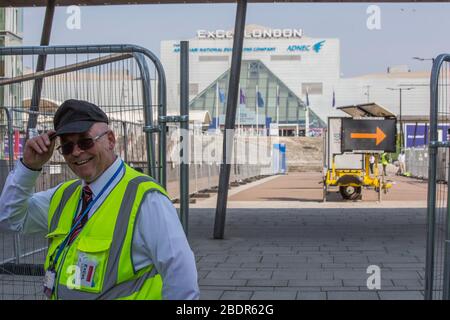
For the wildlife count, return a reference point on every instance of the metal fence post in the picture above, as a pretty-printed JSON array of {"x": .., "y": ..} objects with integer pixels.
[
  {"x": 184, "y": 127},
  {"x": 431, "y": 211}
]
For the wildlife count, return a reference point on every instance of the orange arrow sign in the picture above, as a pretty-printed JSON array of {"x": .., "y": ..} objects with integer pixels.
[{"x": 379, "y": 136}]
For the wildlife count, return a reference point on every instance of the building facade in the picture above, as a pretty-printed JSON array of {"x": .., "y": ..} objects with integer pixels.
[
  {"x": 11, "y": 32},
  {"x": 287, "y": 78}
]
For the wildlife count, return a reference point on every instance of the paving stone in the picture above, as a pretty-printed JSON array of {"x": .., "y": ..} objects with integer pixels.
[
  {"x": 288, "y": 274},
  {"x": 337, "y": 288},
  {"x": 274, "y": 295},
  {"x": 214, "y": 258},
  {"x": 202, "y": 273},
  {"x": 314, "y": 283},
  {"x": 219, "y": 275},
  {"x": 267, "y": 283},
  {"x": 344, "y": 295},
  {"x": 354, "y": 274},
  {"x": 401, "y": 275},
  {"x": 363, "y": 283},
  {"x": 319, "y": 275},
  {"x": 221, "y": 282},
  {"x": 401, "y": 295},
  {"x": 311, "y": 296},
  {"x": 259, "y": 265},
  {"x": 210, "y": 294},
  {"x": 236, "y": 295},
  {"x": 241, "y": 259},
  {"x": 408, "y": 282},
  {"x": 284, "y": 259},
  {"x": 252, "y": 275}
]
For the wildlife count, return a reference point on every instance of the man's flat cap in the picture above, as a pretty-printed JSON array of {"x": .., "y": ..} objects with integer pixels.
[{"x": 77, "y": 116}]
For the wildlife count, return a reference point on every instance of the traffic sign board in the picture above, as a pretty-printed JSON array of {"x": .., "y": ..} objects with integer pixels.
[{"x": 368, "y": 135}]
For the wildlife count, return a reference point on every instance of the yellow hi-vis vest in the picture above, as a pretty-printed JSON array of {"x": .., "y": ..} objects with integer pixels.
[
  {"x": 384, "y": 160},
  {"x": 105, "y": 241}
]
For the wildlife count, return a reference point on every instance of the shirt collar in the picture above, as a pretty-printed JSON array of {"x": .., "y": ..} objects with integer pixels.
[{"x": 100, "y": 182}]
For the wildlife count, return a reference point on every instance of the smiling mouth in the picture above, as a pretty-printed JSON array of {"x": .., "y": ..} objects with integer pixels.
[{"x": 82, "y": 162}]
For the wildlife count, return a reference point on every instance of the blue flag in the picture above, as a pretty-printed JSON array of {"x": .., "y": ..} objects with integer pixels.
[
  {"x": 260, "y": 100},
  {"x": 242, "y": 97},
  {"x": 221, "y": 96}
]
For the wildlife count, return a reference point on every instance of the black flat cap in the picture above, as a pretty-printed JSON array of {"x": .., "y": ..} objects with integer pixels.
[{"x": 77, "y": 116}]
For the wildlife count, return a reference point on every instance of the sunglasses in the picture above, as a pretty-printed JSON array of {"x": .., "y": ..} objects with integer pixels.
[{"x": 84, "y": 144}]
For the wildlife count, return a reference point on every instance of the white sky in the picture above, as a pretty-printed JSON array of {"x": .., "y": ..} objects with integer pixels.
[{"x": 407, "y": 30}]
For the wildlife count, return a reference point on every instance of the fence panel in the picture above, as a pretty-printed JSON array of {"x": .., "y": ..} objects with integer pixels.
[
  {"x": 437, "y": 273},
  {"x": 117, "y": 79}
]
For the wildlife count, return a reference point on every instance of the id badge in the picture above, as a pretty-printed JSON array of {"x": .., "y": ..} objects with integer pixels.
[
  {"x": 49, "y": 283},
  {"x": 87, "y": 267}
]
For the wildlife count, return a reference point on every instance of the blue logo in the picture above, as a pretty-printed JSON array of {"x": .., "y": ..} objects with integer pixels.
[
  {"x": 306, "y": 48},
  {"x": 318, "y": 46}
]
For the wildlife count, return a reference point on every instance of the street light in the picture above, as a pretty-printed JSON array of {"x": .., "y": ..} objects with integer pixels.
[
  {"x": 401, "y": 124},
  {"x": 423, "y": 59}
]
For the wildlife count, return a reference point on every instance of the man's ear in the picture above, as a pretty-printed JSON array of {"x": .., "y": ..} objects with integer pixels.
[{"x": 111, "y": 140}]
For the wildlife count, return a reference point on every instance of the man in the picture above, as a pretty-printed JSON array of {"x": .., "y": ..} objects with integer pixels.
[
  {"x": 384, "y": 162},
  {"x": 371, "y": 162},
  {"x": 113, "y": 234},
  {"x": 402, "y": 164}
]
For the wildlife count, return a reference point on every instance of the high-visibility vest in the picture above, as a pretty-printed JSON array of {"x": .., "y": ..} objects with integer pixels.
[
  {"x": 384, "y": 160},
  {"x": 98, "y": 264}
]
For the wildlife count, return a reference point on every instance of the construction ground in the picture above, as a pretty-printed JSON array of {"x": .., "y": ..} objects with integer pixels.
[{"x": 282, "y": 242}]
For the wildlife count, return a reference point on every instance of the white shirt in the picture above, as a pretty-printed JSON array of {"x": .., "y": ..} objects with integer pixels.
[
  {"x": 401, "y": 157},
  {"x": 158, "y": 238}
]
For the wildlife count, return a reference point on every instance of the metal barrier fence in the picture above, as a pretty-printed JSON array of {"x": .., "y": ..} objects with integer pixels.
[
  {"x": 116, "y": 78},
  {"x": 417, "y": 163},
  {"x": 437, "y": 270},
  {"x": 204, "y": 166}
]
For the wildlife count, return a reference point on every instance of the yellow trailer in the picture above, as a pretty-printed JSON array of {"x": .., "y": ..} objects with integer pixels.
[
  {"x": 351, "y": 181},
  {"x": 369, "y": 129}
]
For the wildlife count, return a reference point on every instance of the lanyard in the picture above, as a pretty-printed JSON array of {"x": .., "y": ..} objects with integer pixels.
[{"x": 80, "y": 217}]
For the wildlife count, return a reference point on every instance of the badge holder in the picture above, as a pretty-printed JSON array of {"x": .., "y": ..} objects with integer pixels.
[{"x": 49, "y": 282}]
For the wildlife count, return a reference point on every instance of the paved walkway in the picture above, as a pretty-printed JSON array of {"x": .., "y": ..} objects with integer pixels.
[{"x": 310, "y": 253}]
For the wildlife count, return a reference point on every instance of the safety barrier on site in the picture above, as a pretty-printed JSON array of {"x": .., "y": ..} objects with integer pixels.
[
  {"x": 126, "y": 81},
  {"x": 437, "y": 271},
  {"x": 417, "y": 161},
  {"x": 252, "y": 158}
]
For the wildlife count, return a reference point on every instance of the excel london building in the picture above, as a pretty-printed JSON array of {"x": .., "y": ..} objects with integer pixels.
[{"x": 288, "y": 80}]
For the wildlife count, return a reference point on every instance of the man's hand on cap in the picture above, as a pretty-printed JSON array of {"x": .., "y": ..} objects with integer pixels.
[{"x": 38, "y": 150}]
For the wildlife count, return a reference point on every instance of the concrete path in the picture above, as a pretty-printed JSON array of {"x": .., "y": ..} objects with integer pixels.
[
  {"x": 282, "y": 242},
  {"x": 310, "y": 253}
]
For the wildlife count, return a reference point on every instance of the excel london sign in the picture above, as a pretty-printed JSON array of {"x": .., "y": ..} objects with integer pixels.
[{"x": 256, "y": 33}]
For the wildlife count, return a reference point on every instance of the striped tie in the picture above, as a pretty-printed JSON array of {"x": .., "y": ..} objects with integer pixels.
[{"x": 87, "y": 198}]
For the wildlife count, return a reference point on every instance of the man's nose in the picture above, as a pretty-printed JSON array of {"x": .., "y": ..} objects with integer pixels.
[{"x": 76, "y": 150}]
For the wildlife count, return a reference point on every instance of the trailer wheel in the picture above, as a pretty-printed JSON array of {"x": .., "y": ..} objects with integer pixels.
[{"x": 350, "y": 192}]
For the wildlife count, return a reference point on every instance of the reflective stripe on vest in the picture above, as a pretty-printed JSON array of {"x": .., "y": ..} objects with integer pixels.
[
  {"x": 67, "y": 193},
  {"x": 118, "y": 279}
]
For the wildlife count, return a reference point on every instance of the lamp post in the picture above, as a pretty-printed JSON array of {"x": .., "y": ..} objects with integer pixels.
[
  {"x": 423, "y": 59},
  {"x": 400, "y": 111}
]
